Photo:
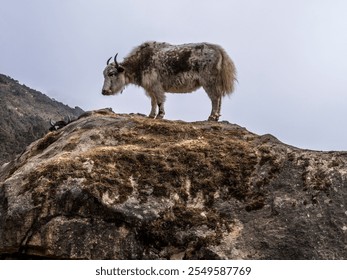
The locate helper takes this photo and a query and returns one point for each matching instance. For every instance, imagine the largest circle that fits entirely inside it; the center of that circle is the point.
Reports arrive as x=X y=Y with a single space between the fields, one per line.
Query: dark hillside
x=25 y=115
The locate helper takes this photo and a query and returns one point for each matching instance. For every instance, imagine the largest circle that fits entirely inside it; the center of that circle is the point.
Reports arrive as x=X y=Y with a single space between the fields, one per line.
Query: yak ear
x=120 y=69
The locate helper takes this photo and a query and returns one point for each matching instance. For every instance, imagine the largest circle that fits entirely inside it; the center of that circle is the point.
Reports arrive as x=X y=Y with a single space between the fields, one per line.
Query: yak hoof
x=160 y=116
x=151 y=116
x=213 y=118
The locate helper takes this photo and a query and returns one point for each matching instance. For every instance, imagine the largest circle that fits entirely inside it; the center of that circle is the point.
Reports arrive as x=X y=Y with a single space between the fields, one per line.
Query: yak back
x=162 y=61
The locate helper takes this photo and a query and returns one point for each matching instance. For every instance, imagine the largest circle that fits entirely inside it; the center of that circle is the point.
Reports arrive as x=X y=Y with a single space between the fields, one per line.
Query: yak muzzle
x=106 y=92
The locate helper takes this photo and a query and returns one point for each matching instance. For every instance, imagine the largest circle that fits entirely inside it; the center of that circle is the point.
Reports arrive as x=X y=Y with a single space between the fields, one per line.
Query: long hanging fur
x=227 y=74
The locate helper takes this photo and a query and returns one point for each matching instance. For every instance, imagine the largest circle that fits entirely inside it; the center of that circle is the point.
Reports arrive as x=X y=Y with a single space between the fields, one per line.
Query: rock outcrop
x=111 y=186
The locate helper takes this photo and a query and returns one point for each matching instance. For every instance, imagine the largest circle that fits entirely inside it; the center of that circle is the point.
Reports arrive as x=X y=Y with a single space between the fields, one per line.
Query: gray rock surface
x=110 y=186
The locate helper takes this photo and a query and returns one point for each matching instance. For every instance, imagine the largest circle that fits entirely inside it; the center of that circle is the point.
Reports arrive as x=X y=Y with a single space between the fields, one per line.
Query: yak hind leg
x=216 y=106
x=216 y=101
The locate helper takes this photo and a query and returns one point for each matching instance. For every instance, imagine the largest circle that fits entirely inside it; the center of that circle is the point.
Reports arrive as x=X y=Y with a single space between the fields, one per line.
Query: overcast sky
x=290 y=56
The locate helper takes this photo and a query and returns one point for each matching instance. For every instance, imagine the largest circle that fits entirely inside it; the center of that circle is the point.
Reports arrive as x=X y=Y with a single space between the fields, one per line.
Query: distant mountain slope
x=25 y=115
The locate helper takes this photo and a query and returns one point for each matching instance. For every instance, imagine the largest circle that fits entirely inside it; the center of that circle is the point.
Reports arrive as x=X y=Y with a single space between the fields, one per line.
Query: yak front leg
x=153 y=112
x=161 y=113
x=161 y=101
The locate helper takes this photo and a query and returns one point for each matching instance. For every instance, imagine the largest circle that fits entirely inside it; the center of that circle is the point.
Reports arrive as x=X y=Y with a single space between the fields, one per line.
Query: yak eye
x=111 y=74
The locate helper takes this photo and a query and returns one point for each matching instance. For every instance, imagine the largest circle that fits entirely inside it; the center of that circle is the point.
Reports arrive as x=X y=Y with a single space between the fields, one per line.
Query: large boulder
x=110 y=186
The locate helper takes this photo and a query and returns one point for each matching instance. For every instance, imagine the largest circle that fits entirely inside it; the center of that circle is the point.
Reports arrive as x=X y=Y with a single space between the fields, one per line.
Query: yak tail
x=227 y=74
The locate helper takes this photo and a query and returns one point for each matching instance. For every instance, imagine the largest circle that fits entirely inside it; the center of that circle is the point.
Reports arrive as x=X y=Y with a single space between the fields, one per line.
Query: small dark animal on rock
x=59 y=124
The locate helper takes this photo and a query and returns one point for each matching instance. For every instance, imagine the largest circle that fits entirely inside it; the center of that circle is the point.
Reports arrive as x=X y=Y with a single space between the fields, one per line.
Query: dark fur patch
x=145 y=61
x=199 y=47
x=180 y=63
x=140 y=62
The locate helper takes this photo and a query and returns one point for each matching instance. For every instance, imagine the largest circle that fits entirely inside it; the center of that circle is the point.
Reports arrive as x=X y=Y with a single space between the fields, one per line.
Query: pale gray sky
x=290 y=55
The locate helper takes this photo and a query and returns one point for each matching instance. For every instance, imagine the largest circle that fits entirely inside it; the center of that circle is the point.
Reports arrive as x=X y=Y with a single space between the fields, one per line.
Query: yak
x=160 y=67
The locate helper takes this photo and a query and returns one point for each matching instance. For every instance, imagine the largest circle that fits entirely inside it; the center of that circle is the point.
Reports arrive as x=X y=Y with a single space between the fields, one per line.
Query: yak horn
x=115 y=60
x=108 y=61
x=67 y=119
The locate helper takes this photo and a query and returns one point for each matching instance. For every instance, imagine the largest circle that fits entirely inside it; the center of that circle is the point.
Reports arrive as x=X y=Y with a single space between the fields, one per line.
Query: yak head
x=114 y=77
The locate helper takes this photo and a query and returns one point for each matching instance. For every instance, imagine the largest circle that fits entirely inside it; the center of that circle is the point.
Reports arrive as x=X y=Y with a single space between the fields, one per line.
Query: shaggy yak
x=161 y=67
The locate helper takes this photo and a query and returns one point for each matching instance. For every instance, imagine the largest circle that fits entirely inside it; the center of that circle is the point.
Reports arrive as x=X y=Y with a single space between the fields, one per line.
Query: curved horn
x=108 y=61
x=115 y=60
x=52 y=123
x=67 y=119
